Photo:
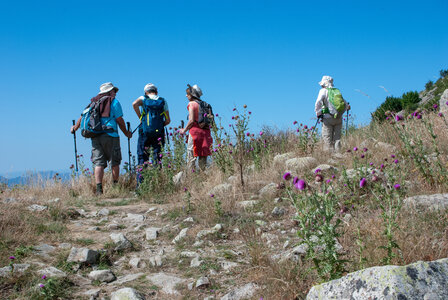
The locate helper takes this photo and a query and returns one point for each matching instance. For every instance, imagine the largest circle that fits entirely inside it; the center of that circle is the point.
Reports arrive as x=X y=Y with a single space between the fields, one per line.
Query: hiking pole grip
x=129 y=145
x=76 y=150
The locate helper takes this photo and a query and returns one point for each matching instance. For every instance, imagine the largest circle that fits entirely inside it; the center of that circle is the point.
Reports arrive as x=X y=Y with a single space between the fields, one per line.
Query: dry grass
x=422 y=236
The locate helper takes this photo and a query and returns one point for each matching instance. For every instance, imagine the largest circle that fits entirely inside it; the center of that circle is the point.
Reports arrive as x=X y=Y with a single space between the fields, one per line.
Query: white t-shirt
x=155 y=97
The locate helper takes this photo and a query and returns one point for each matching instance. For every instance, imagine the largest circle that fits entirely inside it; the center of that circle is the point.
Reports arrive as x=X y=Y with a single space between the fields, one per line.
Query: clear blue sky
x=266 y=54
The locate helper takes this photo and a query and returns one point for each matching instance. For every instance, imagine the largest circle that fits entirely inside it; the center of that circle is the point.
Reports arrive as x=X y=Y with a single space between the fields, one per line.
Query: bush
x=429 y=85
x=443 y=72
x=392 y=104
x=410 y=100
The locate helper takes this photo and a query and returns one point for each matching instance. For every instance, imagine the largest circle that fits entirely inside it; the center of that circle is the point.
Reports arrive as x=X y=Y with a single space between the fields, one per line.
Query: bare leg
x=115 y=172
x=99 y=174
x=202 y=162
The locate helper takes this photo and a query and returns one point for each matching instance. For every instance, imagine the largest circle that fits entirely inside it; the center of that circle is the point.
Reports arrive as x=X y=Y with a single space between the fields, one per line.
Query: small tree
x=410 y=100
x=429 y=85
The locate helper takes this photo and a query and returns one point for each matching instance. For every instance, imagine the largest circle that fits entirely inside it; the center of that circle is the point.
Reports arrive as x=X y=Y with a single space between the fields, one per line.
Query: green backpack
x=335 y=98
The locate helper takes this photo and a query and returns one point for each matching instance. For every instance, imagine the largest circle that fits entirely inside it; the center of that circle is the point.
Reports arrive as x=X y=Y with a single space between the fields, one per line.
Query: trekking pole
x=167 y=135
x=136 y=128
x=76 y=151
x=346 y=122
x=314 y=128
x=129 y=145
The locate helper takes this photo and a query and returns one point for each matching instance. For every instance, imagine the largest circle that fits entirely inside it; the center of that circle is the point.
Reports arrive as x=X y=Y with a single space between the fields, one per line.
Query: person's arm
x=190 y=120
x=319 y=102
x=167 y=118
x=76 y=126
x=123 y=128
x=136 y=105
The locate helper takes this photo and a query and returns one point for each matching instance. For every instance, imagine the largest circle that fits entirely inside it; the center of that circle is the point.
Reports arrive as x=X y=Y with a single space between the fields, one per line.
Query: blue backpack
x=153 y=117
x=91 y=121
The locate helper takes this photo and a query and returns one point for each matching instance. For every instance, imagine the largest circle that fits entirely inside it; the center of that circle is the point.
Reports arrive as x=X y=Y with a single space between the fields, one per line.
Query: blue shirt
x=115 y=112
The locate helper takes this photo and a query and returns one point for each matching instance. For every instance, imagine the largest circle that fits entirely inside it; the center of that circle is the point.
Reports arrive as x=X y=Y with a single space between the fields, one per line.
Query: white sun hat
x=327 y=81
x=195 y=91
x=150 y=88
x=107 y=87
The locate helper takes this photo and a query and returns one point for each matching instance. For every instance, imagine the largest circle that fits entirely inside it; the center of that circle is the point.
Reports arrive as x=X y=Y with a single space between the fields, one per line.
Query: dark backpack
x=153 y=117
x=205 y=115
x=91 y=120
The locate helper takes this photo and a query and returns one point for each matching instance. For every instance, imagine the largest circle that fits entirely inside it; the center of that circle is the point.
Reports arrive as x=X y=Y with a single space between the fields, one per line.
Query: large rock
x=102 y=276
x=120 y=241
x=300 y=164
x=152 y=233
x=221 y=189
x=420 y=280
x=280 y=159
x=83 y=255
x=245 y=292
x=135 y=218
x=127 y=294
x=427 y=202
x=217 y=228
x=17 y=269
x=52 y=272
x=182 y=234
x=443 y=101
x=167 y=283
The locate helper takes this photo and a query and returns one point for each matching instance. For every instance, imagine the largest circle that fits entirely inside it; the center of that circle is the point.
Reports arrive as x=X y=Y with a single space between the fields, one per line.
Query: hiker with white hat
x=107 y=112
x=154 y=115
x=330 y=106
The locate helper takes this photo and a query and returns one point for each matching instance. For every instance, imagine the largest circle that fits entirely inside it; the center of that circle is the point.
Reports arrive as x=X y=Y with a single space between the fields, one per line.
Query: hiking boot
x=99 y=189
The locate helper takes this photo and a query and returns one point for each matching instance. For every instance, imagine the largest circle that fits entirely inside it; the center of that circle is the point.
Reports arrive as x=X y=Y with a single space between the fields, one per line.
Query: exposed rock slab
x=420 y=280
x=166 y=282
x=427 y=202
x=221 y=189
x=127 y=294
x=443 y=100
x=300 y=164
x=102 y=275
x=83 y=255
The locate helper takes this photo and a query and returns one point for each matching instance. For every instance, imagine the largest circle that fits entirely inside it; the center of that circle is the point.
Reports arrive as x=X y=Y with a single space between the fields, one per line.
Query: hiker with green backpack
x=330 y=107
x=154 y=115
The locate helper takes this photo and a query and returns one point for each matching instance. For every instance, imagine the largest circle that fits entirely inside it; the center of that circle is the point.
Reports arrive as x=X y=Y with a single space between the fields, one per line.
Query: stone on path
x=83 y=255
x=420 y=280
x=52 y=272
x=243 y=292
x=36 y=207
x=217 y=228
x=269 y=191
x=300 y=164
x=102 y=276
x=17 y=269
x=120 y=241
x=427 y=202
x=135 y=218
x=152 y=233
x=202 y=282
x=221 y=189
x=127 y=294
x=182 y=234
x=166 y=282
x=137 y=262
x=127 y=278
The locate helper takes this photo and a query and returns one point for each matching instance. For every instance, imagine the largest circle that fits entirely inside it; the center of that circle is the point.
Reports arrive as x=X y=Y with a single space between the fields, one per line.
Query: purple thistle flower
x=261 y=133
x=212 y=195
x=392 y=155
x=295 y=180
x=44 y=277
x=355 y=149
x=328 y=181
x=217 y=115
x=440 y=115
x=185 y=189
x=362 y=156
x=249 y=112
x=363 y=182
x=397 y=186
x=333 y=176
x=41 y=285
x=294 y=123
x=12 y=257
x=446 y=102
x=435 y=106
x=396 y=161
x=398 y=118
x=365 y=149
x=234 y=108
x=248 y=134
x=287 y=176
x=371 y=164
x=317 y=171
x=301 y=184
x=382 y=166
x=419 y=117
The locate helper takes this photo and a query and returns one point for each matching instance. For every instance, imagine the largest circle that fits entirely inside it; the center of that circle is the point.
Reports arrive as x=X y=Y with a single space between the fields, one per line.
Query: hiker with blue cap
x=154 y=115
x=330 y=107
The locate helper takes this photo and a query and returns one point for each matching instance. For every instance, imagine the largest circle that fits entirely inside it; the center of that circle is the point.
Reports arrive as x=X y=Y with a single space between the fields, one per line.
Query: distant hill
x=39 y=177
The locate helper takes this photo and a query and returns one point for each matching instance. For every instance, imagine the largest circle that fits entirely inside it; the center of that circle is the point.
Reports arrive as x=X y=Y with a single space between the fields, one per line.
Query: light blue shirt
x=115 y=112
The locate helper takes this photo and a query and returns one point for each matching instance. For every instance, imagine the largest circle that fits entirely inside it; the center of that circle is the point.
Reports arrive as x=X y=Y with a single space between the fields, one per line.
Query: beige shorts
x=106 y=148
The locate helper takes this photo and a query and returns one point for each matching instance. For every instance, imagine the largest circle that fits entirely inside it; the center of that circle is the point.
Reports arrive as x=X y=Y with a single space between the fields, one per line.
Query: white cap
x=327 y=81
x=196 y=91
x=150 y=88
x=107 y=87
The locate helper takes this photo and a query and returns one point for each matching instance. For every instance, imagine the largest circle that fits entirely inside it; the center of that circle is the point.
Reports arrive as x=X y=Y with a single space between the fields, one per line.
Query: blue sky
x=267 y=54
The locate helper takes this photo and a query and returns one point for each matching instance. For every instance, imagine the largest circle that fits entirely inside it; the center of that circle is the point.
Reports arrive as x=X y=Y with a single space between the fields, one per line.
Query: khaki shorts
x=106 y=148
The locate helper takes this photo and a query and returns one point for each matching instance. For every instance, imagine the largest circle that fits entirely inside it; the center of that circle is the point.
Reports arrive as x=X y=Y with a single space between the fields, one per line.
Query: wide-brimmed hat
x=195 y=91
x=326 y=81
x=150 y=88
x=107 y=87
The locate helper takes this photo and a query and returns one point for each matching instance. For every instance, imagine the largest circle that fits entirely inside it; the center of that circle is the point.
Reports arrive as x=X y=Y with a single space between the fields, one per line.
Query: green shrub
x=410 y=100
x=392 y=104
x=429 y=85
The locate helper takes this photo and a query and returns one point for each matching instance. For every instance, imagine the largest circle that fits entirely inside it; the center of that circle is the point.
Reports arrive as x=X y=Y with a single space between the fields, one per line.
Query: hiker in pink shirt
x=199 y=139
